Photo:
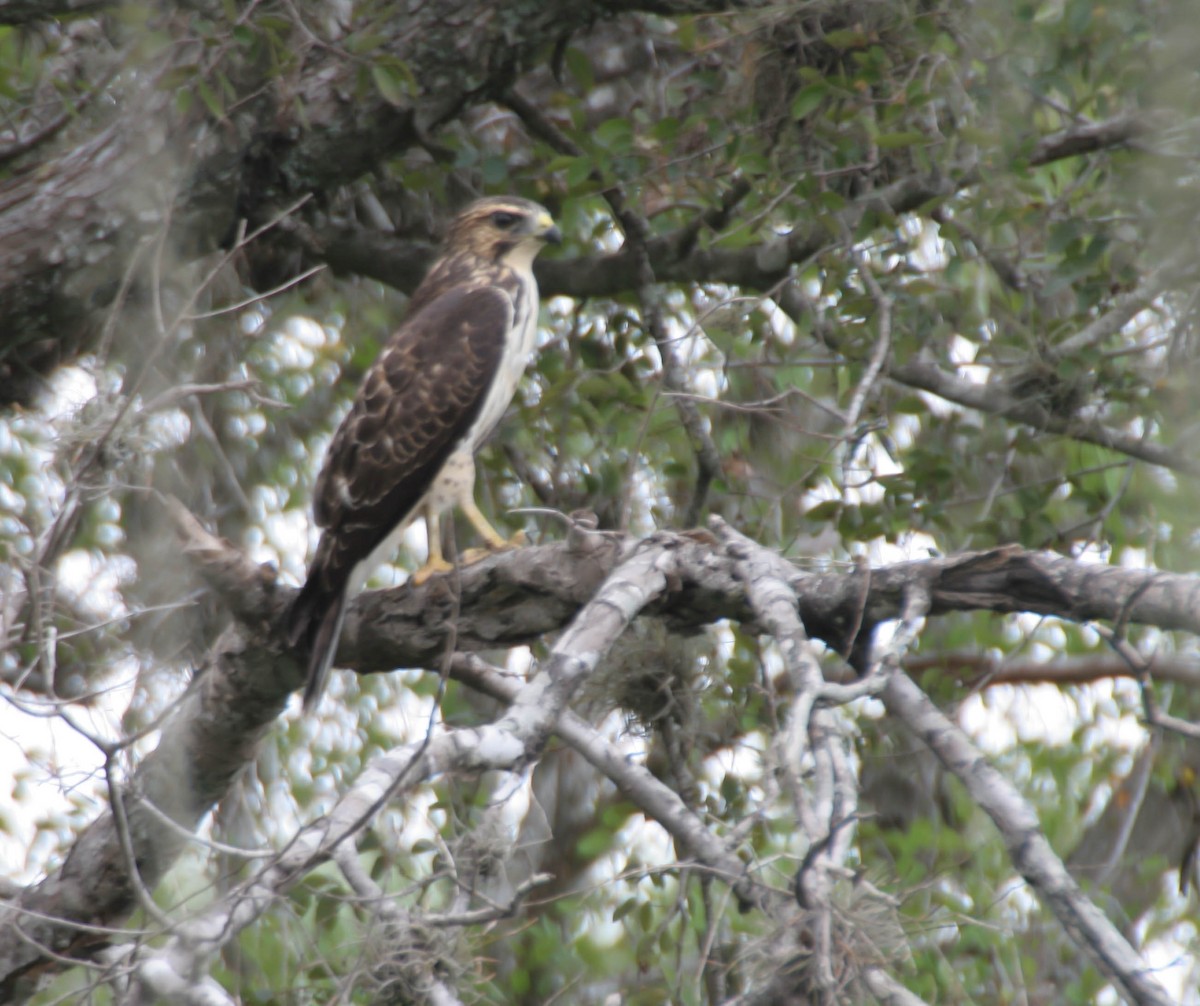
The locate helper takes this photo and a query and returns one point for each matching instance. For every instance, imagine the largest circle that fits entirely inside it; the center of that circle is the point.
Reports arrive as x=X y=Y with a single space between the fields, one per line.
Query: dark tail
x=314 y=621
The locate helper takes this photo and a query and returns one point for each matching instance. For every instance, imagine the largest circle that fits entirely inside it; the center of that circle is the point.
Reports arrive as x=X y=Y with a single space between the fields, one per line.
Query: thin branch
x=637 y=244
x=888 y=991
x=1031 y=854
x=173 y=396
x=995 y=400
x=258 y=298
x=1118 y=131
x=492 y=913
x=883 y=343
x=978 y=670
x=766 y=578
x=1123 y=310
x=116 y=797
x=635 y=782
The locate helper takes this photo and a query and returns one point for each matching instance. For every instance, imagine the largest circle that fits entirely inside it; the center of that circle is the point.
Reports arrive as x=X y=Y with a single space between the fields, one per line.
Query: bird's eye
x=504 y=220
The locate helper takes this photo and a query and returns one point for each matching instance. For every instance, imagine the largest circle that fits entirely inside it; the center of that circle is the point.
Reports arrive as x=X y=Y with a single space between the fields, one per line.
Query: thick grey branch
x=637 y=783
x=509 y=599
x=509 y=744
x=1086 y=139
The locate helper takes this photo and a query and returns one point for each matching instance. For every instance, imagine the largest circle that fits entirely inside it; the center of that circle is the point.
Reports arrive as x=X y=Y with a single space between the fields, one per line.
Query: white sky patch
x=962 y=353
x=782 y=327
x=285 y=542
x=646 y=840
x=309 y=332
x=52 y=776
x=1094 y=553
x=252 y=320
x=904 y=430
x=928 y=253
x=69 y=390
x=168 y=429
x=1133 y=558
x=743 y=761
x=294 y=343
x=559 y=307
x=93 y=582
x=938 y=407
x=1000 y=716
x=1173 y=957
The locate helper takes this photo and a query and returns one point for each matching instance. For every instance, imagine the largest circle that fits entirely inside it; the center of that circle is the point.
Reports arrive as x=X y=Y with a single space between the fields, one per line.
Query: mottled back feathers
x=442 y=381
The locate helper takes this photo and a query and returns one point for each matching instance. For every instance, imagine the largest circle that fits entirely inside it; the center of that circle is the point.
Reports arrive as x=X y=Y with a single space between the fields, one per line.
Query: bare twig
x=883 y=343
x=492 y=913
x=1125 y=309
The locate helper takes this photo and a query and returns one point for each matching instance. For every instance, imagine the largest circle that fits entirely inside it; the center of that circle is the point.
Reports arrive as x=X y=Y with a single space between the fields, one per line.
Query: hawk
x=438 y=388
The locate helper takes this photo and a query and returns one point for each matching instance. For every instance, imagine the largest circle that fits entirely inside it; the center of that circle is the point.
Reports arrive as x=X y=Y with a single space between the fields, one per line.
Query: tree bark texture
x=506 y=600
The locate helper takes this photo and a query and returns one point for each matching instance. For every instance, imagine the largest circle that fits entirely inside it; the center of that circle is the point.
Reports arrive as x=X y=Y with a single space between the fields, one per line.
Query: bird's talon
x=431 y=568
x=518 y=540
x=473 y=555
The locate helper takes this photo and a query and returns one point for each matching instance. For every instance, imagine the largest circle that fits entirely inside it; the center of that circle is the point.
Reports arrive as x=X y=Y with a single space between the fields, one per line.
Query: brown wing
x=419 y=399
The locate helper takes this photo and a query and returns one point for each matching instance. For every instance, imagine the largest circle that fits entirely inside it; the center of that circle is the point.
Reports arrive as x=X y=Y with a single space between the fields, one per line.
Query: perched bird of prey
x=429 y=401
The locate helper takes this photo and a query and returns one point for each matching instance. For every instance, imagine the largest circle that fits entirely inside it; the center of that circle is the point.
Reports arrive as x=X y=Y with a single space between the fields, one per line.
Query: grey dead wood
x=506 y=600
x=510 y=743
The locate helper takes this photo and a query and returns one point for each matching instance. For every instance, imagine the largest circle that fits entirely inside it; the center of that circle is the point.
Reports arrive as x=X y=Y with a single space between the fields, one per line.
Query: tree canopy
x=853 y=657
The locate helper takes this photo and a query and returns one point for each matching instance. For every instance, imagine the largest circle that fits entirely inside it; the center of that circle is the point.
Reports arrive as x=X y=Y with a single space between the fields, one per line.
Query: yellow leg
x=435 y=562
x=480 y=523
x=496 y=542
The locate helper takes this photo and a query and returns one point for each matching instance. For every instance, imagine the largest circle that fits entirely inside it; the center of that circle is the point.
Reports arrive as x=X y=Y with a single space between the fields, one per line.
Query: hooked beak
x=547 y=230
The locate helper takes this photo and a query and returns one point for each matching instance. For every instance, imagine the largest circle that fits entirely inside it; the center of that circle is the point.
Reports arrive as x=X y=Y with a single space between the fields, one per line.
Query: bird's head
x=503 y=229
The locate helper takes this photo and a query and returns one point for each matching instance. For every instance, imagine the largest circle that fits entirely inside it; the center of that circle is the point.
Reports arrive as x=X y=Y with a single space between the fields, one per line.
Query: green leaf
x=846 y=38
x=494 y=169
x=808 y=99
x=594 y=843
x=826 y=510
x=894 y=141
x=394 y=83
x=211 y=100
x=614 y=135
x=624 y=908
x=579 y=171
x=579 y=65
x=363 y=42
